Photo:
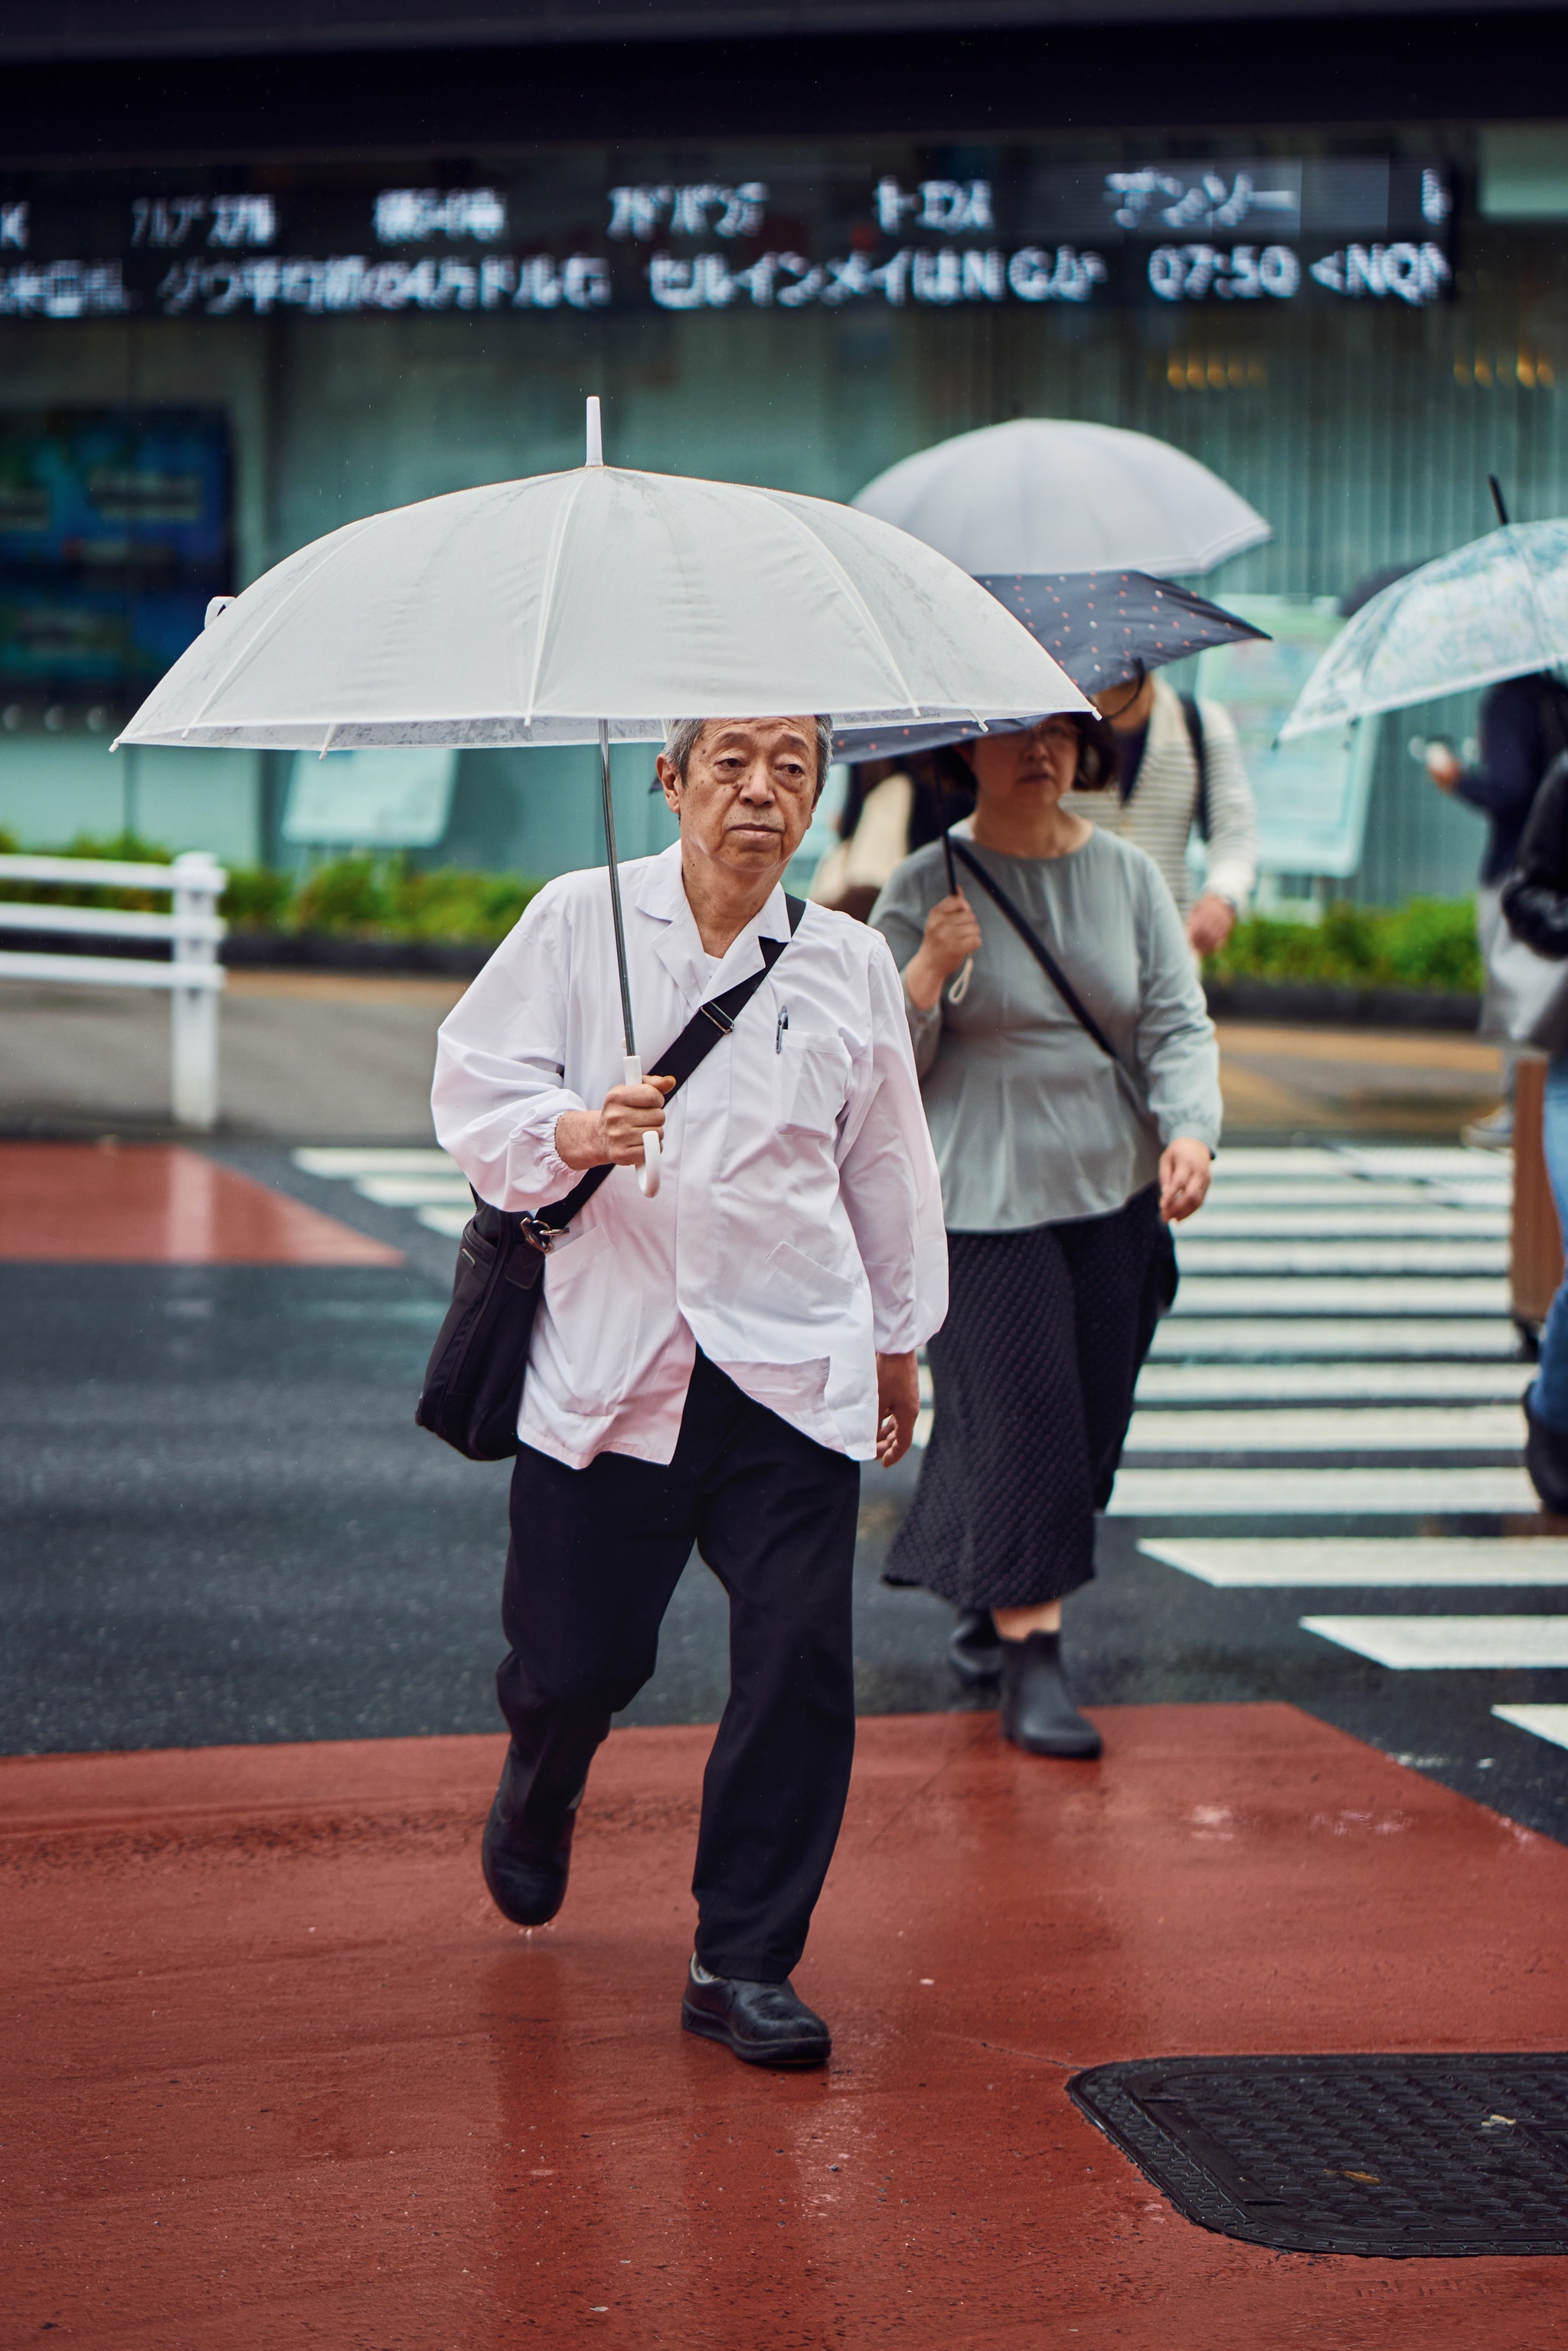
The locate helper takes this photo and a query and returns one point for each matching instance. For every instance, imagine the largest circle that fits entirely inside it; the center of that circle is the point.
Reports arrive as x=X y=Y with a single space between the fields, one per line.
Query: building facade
x=225 y=330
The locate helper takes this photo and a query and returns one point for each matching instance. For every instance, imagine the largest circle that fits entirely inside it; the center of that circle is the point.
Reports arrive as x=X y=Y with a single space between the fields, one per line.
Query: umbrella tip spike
x=595 y=437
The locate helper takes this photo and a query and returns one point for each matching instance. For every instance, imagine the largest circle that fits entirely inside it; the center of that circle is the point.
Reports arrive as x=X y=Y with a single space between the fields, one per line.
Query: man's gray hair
x=685 y=733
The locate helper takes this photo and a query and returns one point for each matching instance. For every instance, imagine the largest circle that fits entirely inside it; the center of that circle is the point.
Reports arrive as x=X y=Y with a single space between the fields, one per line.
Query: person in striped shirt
x=1181 y=769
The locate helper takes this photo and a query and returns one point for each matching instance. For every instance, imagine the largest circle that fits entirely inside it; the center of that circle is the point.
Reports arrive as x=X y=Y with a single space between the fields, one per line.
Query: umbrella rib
x=308 y=575
x=553 y=572
x=821 y=547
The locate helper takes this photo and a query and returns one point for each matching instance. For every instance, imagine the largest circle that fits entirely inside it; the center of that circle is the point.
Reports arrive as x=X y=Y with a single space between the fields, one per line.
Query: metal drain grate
x=1385 y=2156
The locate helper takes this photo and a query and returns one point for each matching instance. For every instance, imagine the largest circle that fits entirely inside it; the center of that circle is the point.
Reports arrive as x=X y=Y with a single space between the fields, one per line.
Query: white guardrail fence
x=193 y=975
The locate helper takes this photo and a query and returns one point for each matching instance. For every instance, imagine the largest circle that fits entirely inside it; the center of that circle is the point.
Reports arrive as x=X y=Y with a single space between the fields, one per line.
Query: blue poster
x=114 y=531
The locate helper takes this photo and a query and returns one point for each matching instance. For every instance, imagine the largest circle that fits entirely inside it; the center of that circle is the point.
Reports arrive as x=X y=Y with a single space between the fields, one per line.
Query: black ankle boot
x=526 y=1870
x=1038 y=1713
x=974 y=1645
x=1546 y=1459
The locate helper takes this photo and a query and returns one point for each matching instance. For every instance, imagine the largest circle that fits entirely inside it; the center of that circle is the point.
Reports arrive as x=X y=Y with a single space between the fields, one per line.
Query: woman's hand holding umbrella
x=952 y=936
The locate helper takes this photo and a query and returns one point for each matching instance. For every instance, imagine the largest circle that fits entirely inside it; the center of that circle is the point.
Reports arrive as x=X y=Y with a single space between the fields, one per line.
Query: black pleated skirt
x=1033 y=1372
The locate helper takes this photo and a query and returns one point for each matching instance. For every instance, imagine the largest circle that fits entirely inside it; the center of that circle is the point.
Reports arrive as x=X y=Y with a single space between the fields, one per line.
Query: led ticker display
x=114 y=531
x=1356 y=229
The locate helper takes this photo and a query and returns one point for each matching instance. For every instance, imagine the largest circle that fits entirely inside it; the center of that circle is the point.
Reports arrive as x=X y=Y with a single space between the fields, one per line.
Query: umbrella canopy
x=1052 y=494
x=534 y=612
x=1103 y=627
x=1495 y=609
x=596 y=605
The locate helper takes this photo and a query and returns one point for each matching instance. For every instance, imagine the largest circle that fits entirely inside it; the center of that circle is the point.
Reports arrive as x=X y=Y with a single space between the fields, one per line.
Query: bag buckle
x=543 y=1237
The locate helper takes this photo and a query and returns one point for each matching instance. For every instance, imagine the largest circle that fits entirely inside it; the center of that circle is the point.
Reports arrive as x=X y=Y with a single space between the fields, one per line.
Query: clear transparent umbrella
x=1495 y=609
x=1056 y=494
x=597 y=605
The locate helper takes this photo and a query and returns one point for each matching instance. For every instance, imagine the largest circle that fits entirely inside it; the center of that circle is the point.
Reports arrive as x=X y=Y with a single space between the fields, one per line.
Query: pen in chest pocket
x=779 y=1031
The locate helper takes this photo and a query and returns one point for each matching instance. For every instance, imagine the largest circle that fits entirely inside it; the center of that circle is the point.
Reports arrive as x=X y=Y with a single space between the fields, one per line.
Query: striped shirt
x=1163 y=809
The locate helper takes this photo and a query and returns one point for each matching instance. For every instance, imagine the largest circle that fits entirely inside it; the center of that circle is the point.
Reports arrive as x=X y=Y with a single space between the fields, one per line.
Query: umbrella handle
x=648 y=1173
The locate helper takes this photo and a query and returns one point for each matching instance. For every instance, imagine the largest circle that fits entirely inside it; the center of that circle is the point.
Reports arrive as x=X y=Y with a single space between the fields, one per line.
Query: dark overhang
x=83 y=29
x=1258 y=70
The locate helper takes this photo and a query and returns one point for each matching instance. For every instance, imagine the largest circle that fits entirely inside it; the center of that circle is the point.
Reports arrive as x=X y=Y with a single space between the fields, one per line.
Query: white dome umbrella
x=1054 y=493
x=1495 y=609
x=598 y=604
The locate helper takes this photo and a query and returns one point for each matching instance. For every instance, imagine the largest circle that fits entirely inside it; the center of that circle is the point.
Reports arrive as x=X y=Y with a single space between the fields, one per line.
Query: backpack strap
x=1193 y=718
x=707 y=1025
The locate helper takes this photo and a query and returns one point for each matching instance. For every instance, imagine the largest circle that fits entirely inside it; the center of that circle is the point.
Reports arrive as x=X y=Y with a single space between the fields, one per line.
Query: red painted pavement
x=280 y=2076
x=152 y=1203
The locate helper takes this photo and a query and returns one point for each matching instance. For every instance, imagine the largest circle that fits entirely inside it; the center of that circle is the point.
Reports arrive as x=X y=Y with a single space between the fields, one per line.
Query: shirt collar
x=661 y=895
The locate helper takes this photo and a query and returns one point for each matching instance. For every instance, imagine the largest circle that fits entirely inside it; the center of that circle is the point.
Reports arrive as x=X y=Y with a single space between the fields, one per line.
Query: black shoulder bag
x=1165 y=1275
x=473 y=1382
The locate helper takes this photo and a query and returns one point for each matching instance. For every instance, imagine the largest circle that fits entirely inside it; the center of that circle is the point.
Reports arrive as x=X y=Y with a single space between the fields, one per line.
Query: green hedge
x=1430 y=942
x=357 y=898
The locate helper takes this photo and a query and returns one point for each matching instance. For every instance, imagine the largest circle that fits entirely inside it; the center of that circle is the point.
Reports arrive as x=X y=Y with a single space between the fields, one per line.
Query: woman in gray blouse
x=1060 y=1168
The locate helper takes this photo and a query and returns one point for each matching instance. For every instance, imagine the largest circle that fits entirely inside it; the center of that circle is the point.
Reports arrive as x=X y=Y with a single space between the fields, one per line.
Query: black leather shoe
x=1038 y=1712
x=525 y=1872
x=765 y=2024
x=1546 y=1459
x=974 y=1646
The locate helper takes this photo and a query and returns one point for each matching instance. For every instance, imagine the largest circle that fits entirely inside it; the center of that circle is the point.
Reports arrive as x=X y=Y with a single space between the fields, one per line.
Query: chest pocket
x=811 y=1080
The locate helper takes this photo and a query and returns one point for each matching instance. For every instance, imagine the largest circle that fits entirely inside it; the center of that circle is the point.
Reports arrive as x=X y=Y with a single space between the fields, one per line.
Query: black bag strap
x=1193 y=718
x=1041 y=953
x=697 y=1040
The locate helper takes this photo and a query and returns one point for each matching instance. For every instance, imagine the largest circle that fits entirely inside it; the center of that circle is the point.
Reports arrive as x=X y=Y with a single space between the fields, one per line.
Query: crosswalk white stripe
x=1448 y=1429
x=1544 y=1721
x=447 y=1221
x=1224 y=1222
x=1276 y=1257
x=1230 y=1294
x=1317 y=1493
x=1430 y=1163
x=1193 y=1338
x=1272 y=1562
x=1298 y=1159
x=1450 y=1643
x=1335 y=1382
x=341 y=1160
x=415 y=1191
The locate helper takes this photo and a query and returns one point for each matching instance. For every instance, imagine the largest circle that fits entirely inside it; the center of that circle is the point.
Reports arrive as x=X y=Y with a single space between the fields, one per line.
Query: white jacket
x=798 y=1230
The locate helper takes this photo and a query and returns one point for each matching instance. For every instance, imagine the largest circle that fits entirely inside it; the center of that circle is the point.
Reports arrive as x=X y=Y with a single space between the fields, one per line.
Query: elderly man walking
x=710 y=1365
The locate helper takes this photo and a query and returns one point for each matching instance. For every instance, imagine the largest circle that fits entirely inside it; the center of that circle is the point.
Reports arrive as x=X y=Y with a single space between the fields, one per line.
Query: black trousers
x=1033 y=1372
x=596 y=1554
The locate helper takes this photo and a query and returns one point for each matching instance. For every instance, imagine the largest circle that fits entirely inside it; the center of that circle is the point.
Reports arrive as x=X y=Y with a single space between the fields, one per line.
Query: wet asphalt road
x=220 y=1525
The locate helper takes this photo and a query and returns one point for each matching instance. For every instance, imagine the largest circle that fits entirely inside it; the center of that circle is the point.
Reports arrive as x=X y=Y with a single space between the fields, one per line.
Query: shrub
x=1429 y=943
x=257 y=898
x=350 y=894
x=128 y=848
x=366 y=897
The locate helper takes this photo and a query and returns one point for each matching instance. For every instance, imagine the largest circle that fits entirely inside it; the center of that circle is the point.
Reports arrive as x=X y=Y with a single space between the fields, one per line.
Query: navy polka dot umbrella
x=1104 y=628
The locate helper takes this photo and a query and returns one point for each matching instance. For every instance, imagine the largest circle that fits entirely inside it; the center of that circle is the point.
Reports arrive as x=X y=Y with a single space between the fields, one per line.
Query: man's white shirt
x=797 y=1229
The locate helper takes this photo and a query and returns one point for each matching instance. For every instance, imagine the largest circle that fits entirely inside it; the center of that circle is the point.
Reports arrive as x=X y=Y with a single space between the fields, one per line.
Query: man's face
x=750 y=790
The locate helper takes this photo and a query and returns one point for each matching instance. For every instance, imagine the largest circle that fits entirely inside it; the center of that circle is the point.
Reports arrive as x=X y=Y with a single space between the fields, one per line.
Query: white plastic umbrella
x=1052 y=494
x=597 y=605
x=1495 y=609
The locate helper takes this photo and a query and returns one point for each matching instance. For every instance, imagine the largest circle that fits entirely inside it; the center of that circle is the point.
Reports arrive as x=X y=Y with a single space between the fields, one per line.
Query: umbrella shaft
x=628 y=1036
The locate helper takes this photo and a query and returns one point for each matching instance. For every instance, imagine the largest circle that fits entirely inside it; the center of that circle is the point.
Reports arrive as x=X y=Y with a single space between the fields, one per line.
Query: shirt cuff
x=1200 y=1123
x=1230 y=878
x=535 y=1168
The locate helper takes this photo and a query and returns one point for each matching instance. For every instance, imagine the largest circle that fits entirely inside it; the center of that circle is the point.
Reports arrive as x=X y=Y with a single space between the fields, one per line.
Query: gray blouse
x=1031 y=1122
